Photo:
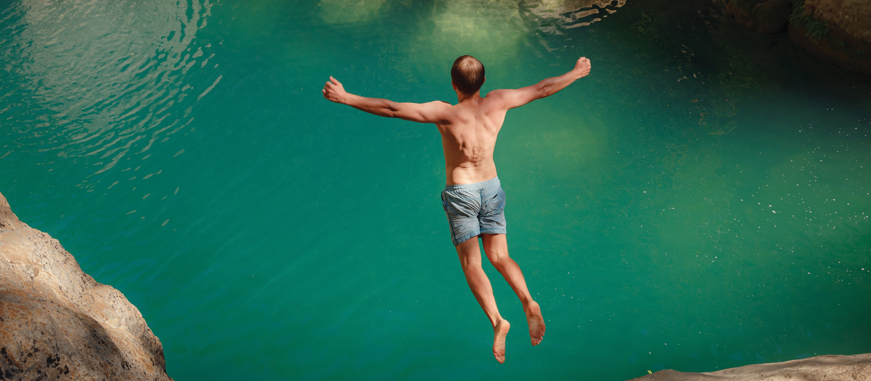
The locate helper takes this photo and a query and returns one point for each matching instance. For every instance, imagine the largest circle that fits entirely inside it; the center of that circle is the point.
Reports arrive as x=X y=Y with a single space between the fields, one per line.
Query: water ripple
x=554 y=16
x=102 y=80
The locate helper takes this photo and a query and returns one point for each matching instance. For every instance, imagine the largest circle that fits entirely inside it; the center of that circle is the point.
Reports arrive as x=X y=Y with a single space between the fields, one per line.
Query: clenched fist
x=334 y=91
x=582 y=67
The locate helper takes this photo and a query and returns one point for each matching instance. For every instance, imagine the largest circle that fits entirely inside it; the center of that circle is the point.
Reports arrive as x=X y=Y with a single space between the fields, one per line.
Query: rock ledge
x=819 y=368
x=58 y=323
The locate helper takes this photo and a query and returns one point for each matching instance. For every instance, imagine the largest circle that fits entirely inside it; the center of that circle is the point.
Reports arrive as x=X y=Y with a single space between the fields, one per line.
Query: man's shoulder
x=439 y=105
x=498 y=93
x=498 y=96
x=496 y=99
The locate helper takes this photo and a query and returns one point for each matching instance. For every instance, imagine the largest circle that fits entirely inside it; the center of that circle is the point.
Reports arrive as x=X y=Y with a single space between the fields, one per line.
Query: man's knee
x=470 y=262
x=469 y=255
x=498 y=257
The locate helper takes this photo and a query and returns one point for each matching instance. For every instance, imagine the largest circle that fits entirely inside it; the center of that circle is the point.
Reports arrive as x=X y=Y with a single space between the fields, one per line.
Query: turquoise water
x=699 y=202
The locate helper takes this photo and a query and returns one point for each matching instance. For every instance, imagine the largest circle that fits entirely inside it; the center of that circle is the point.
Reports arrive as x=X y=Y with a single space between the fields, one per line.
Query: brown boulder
x=851 y=16
x=58 y=323
x=836 y=31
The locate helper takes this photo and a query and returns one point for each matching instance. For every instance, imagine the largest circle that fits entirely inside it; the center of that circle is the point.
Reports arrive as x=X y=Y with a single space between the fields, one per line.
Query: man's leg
x=470 y=259
x=496 y=247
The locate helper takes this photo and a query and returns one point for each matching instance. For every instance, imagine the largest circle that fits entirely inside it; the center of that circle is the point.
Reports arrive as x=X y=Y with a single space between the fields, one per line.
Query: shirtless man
x=473 y=198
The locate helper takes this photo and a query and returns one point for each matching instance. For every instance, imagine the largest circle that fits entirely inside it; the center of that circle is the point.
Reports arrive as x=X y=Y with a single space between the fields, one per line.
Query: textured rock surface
x=819 y=368
x=58 y=323
x=847 y=41
x=852 y=16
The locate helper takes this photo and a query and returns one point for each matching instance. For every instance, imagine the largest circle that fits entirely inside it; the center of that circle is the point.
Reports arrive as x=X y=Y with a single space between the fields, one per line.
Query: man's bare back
x=469 y=132
x=471 y=197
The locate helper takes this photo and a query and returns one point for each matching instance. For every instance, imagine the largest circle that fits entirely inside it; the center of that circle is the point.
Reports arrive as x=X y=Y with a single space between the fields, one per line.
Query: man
x=473 y=198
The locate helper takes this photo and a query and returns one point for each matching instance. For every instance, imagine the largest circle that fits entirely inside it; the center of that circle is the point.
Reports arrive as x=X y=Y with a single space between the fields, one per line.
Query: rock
x=58 y=323
x=841 y=368
x=836 y=31
x=851 y=16
x=766 y=16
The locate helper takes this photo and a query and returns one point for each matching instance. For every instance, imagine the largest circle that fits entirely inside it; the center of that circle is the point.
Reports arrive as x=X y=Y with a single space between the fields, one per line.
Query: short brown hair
x=467 y=74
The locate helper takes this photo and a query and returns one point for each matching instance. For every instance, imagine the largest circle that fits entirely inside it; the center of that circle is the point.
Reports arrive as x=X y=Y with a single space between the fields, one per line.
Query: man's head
x=467 y=74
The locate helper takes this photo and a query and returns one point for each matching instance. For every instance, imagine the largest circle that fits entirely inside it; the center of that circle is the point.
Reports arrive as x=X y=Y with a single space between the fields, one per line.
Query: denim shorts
x=474 y=209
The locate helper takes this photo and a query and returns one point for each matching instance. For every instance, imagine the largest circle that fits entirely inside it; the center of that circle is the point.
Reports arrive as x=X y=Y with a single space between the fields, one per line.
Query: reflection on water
x=494 y=29
x=107 y=80
x=552 y=16
x=491 y=29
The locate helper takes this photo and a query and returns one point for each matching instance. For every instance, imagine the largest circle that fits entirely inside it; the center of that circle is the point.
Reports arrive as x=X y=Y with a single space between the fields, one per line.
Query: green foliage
x=803 y=18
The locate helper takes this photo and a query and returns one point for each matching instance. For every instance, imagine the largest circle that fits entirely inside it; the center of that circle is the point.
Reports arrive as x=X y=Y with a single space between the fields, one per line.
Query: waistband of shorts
x=479 y=185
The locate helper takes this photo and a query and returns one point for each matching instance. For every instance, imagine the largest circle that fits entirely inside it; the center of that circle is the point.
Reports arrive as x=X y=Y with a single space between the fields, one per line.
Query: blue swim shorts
x=474 y=209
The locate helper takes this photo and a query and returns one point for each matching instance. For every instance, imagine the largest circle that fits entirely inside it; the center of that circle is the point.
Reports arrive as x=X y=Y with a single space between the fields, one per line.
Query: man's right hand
x=582 y=67
x=334 y=91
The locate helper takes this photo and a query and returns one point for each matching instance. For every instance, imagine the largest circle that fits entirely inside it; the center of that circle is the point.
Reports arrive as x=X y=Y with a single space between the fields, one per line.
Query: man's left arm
x=432 y=112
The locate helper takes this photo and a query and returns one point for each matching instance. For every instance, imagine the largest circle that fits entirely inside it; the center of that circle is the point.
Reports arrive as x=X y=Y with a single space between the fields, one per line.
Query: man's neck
x=463 y=98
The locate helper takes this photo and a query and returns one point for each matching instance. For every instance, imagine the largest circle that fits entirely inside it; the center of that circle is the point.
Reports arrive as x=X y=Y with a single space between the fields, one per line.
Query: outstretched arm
x=519 y=97
x=432 y=112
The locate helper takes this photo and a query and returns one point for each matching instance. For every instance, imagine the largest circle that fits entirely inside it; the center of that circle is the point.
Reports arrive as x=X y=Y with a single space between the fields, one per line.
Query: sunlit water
x=700 y=201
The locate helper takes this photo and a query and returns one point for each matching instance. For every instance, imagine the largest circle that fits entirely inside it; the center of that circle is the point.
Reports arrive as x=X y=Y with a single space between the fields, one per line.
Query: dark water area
x=699 y=202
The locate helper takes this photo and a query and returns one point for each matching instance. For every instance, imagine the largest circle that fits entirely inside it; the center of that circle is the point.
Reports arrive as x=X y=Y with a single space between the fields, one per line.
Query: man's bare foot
x=499 y=333
x=536 y=322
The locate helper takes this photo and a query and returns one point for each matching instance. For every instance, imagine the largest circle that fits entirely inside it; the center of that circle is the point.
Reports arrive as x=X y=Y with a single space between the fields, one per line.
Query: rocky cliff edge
x=58 y=323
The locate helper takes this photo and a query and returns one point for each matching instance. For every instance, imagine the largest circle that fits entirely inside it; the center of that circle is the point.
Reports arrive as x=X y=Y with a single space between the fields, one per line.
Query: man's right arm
x=518 y=97
x=432 y=112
